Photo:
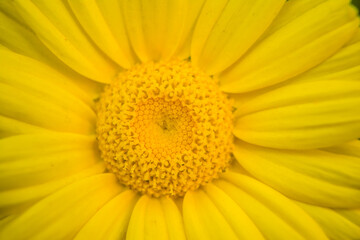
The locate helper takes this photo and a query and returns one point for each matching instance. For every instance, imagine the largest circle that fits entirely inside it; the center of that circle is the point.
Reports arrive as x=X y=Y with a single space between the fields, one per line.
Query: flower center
x=165 y=128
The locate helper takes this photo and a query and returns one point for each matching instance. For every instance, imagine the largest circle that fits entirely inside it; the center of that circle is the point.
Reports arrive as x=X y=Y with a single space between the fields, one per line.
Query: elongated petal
x=192 y=15
x=155 y=219
x=353 y=215
x=75 y=204
x=14 y=103
x=20 y=39
x=111 y=221
x=351 y=149
x=34 y=165
x=27 y=160
x=226 y=29
x=58 y=30
x=262 y=215
x=302 y=115
x=293 y=45
x=254 y=197
x=234 y=215
x=316 y=177
x=345 y=64
x=173 y=219
x=15 y=200
x=26 y=73
x=10 y=127
x=334 y=224
x=93 y=21
x=203 y=220
x=56 y=102
x=155 y=27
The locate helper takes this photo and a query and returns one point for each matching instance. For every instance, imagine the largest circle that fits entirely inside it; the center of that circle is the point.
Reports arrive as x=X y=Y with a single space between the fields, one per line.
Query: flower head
x=169 y=119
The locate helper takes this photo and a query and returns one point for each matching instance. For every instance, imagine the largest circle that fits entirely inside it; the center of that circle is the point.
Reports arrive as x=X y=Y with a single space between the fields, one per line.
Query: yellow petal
x=111 y=221
x=37 y=110
x=20 y=39
x=173 y=219
x=345 y=64
x=60 y=33
x=9 y=127
x=93 y=21
x=351 y=149
x=316 y=177
x=294 y=47
x=38 y=78
x=27 y=160
x=8 y=8
x=23 y=146
x=147 y=220
x=284 y=209
x=155 y=27
x=203 y=220
x=15 y=200
x=301 y=115
x=154 y=218
x=262 y=215
x=234 y=215
x=335 y=226
x=226 y=29
x=192 y=15
x=353 y=215
x=50 y=218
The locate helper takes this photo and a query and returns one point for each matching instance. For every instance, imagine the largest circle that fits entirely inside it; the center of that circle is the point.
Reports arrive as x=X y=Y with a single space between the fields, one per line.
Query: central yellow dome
x=165 y=128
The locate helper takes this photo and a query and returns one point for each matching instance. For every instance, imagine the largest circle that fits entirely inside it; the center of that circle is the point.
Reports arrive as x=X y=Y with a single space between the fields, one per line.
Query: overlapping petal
x=112 y=220
x=55 y=26
x=44 y=97
x=74 y=204
x=154 y=218
x=154 y=28
x=301 y=115
x=35 y=165
x=316 y=177
x=94 y=17
x=293 y=44
x=242 y=208
x=334 y=224
x=226 y=29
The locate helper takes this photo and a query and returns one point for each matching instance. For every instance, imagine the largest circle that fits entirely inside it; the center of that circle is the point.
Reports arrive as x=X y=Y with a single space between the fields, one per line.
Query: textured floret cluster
x=165 y=128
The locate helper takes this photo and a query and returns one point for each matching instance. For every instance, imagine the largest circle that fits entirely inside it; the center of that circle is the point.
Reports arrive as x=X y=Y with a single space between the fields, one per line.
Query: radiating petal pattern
x=334 y=224
x=93 y=21
x=203 y=220
x=111 y=221
x=65 y=108
x=291 y=67
x=215 y=44
x=52 y=214
x=154 y=218
x=154 y=27
x=20 y=39
x=316 y=177
x=267 y=207
x=301 y=115
x=192 y=15
x=10 y=127
x=32 y=166
x=242 y=225
x=293 y=44
x=55 y=26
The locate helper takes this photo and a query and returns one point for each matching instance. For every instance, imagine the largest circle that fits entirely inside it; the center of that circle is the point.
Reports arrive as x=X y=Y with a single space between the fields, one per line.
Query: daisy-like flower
x=179 y=119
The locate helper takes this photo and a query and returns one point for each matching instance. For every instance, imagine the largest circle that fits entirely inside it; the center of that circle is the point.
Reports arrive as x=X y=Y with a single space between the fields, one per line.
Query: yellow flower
x=179 y=119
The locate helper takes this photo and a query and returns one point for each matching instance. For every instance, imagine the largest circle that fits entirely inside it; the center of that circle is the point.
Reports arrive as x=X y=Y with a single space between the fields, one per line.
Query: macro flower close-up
x=179 y=119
